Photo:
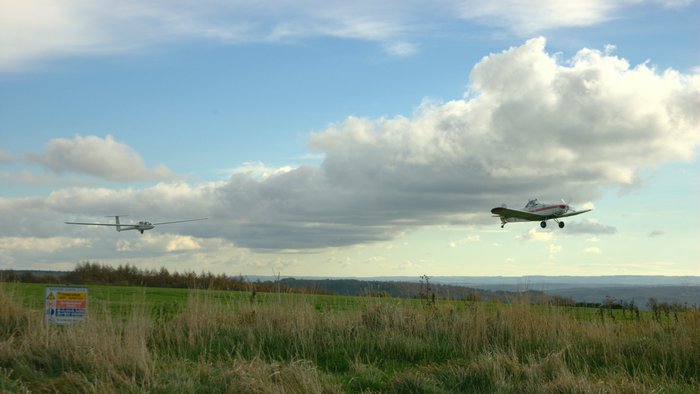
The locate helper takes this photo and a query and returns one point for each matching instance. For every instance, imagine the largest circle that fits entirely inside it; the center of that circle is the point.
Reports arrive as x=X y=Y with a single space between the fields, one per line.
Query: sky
x=351 y=139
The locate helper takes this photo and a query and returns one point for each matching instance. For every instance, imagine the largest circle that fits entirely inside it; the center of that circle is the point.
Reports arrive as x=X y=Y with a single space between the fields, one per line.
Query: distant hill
x=402 y=289
x=534 y=282
x=591 y=289
x=540 y=282
x=682 y=289
x=684 y=295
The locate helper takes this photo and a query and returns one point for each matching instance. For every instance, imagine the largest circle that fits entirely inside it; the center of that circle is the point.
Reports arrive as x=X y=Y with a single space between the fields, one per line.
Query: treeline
x=367 y=288
x=88 y=273
x=129 y=275
x=32 y=276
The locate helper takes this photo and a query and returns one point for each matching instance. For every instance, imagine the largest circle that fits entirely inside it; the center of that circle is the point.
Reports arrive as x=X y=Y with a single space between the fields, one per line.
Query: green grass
x=121 y=299
x=172 y=340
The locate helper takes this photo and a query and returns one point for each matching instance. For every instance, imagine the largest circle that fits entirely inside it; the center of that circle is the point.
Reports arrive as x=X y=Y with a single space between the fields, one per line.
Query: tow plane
x=535 y=211
x=140 y=226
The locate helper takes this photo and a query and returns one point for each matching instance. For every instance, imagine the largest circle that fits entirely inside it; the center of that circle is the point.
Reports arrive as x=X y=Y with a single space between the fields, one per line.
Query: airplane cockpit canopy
x=531 y=203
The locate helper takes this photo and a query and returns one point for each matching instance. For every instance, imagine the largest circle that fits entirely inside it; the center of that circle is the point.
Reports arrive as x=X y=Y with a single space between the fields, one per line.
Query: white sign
x=65 y=304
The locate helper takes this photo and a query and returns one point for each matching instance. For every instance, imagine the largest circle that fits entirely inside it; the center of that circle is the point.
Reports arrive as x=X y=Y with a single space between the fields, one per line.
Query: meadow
x=177 y=340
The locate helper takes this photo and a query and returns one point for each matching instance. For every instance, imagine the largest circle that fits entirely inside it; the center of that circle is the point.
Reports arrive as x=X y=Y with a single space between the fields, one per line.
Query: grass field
x=172 y=340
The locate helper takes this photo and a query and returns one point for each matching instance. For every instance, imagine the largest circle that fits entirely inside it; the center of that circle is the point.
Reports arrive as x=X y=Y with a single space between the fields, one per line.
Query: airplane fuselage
x=141 y=226
x=548 y=209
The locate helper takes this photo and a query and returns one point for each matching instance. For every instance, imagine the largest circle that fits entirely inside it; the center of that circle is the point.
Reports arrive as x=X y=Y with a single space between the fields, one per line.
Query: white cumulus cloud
x=258 y=170
x=589 y=226
x=554 y=249
x=100 y=157
x=464 y=241
x=536 y=235
x=182 y=243
x=593 y=250
x=6 y=157
x=37 y=244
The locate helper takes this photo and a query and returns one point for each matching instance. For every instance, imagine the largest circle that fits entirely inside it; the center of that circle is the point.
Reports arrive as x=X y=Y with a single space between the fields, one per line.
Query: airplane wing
x=99 y=224
x=120 y=227
x=514 y=213
x=179 y=221
x=573 y=213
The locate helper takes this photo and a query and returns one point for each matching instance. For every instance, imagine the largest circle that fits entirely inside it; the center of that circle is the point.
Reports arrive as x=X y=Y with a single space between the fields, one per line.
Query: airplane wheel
x=561 y=224
x=543 y=224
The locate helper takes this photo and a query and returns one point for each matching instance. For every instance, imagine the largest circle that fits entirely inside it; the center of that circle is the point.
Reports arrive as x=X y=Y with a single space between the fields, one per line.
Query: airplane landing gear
x=561 y=224
x=543 y=224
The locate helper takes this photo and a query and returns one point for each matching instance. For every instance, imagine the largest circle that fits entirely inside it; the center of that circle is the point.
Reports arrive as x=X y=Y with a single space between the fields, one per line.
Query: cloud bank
x=530 y=125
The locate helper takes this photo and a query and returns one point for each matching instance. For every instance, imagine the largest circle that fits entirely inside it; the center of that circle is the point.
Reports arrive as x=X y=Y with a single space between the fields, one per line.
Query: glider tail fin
x=116 y=218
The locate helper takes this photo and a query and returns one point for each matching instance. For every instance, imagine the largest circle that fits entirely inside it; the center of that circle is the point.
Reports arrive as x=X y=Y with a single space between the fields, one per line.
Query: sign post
x=65 y=304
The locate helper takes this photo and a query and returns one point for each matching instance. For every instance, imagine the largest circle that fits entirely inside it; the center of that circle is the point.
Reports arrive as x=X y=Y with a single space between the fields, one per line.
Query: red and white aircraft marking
x=535 y=211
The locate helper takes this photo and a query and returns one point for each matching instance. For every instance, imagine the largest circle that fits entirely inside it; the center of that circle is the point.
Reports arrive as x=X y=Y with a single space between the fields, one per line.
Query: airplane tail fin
x=116 y=218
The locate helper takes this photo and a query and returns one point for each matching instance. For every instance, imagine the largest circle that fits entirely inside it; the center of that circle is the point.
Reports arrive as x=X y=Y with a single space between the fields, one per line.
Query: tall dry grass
x=285 y=344
x=82 y=356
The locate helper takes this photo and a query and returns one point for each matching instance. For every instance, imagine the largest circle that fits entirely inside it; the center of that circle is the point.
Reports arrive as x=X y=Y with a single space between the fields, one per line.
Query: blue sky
x=355 y=139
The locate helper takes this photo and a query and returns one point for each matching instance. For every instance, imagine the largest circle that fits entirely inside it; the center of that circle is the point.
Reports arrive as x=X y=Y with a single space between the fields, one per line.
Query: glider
x=141 y=226
x=535 y=211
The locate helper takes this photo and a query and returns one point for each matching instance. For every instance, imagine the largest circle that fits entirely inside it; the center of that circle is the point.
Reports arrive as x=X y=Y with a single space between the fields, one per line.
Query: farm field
x=177 y=340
